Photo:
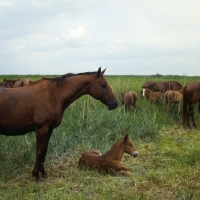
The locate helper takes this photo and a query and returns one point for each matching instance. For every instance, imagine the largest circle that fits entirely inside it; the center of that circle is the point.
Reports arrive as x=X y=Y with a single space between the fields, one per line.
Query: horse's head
x=129 y=148
x=101 y=90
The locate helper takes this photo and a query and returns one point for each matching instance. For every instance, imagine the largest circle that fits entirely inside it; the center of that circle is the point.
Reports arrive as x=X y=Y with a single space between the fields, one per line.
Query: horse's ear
x=125 y=137
x=122 y=94
x=99 y=72
x=103 y=71
x=4 y=79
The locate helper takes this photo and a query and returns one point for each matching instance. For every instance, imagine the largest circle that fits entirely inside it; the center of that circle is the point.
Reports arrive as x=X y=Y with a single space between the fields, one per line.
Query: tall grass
x=167 y=166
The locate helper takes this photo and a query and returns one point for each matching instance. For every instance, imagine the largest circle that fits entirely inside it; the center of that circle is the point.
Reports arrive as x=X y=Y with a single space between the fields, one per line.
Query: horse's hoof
x=44 y=175
x=38 y=179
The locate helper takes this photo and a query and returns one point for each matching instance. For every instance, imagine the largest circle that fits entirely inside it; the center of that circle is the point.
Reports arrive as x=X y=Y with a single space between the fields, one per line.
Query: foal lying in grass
x=109 y=162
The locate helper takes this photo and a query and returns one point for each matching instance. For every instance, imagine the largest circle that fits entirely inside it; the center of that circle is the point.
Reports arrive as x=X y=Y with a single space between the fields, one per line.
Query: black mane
x=60 y=79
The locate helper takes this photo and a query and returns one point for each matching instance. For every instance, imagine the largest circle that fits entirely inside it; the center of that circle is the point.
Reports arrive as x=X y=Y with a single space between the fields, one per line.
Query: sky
x=129 y=37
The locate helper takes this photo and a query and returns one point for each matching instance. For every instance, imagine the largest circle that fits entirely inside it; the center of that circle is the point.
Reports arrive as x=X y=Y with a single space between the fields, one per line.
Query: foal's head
x=128 y=147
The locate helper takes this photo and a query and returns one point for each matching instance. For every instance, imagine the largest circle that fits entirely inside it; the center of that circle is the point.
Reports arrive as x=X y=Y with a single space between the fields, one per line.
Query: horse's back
x=192 y=91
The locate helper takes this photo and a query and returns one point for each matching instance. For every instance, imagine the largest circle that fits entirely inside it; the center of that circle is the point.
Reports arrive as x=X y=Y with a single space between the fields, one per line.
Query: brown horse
x=191 y=95
x=153 y=96
x=8 y=83
x=161 y=86
x=40 y=106
x=109 y=162
x=129 y=99
x=173 y=97
x=22 y=83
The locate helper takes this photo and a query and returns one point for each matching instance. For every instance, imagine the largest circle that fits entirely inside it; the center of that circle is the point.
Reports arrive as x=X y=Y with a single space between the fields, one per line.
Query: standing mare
x=40 y=106
x=109 y=162
x=191 y=95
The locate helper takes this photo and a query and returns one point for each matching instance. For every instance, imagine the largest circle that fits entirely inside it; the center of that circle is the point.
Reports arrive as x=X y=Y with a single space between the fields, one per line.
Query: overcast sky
x=138 y=37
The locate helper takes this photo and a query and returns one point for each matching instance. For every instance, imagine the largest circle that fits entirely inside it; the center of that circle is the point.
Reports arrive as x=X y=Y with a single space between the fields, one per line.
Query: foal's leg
x=42 y=140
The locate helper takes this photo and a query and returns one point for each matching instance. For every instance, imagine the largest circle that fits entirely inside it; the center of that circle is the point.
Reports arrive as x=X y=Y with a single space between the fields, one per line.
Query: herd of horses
x=27 y=106
x=171 y=92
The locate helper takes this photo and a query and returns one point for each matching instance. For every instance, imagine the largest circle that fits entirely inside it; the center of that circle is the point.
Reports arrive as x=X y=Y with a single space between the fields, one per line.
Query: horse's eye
x=130 y=145
x=103 y=85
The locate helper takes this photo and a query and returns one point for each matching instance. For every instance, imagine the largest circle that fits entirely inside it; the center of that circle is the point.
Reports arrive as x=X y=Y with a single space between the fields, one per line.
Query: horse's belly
x=16 y=130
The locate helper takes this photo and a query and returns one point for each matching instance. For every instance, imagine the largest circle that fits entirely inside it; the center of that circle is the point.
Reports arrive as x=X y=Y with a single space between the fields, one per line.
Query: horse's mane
x=60 y=79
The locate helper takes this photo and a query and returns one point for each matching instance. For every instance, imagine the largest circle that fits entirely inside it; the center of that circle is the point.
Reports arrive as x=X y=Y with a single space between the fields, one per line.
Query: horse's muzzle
x=135 y=154
x=113 y=105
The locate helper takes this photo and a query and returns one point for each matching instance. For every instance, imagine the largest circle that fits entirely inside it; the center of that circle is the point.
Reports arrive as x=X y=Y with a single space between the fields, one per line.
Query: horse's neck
x=116 y=152
x=74 y=87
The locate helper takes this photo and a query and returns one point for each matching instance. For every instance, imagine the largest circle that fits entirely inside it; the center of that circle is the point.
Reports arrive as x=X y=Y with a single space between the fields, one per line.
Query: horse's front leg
x=42 y=140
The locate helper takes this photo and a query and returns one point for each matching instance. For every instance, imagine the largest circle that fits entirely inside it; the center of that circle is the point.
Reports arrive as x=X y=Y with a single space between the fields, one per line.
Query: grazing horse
x=109 y=162
x=153 y=96
x=129 y=99
x=191 y=95
x=40 y=106
x=8 y=83
x=161 y=86
x=175 y=97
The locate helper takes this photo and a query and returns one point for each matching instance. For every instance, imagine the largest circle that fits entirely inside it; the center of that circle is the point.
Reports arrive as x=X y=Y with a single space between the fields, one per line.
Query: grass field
x=168 y=165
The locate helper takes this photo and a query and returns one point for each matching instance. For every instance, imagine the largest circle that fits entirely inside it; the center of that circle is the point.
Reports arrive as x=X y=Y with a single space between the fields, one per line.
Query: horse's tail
x=185 y=101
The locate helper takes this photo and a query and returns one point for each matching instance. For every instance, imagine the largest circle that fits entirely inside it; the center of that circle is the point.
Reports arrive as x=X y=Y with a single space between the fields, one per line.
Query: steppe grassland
x=167 y=166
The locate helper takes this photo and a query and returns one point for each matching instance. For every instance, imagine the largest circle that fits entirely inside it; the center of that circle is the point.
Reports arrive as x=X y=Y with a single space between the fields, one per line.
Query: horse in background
x=173 y=97
x=40 y=106
x=153 y=96
x=161 y=86
x=22 y=83
x=8 y=83
x=191 y=95
x=129 y=99
x=109 y=162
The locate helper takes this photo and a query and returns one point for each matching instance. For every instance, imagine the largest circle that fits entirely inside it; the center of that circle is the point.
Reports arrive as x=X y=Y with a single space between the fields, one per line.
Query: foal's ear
x=125 y=137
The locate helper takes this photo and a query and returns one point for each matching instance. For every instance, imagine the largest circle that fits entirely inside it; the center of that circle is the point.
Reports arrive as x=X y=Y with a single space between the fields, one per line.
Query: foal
x=175 y=97
x=153 y=96
x=129 y=99
x=109 y=162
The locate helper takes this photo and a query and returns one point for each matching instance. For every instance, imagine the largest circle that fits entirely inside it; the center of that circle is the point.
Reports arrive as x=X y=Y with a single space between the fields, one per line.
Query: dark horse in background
x=191 y=95
x=161 y=86
x=40 y=106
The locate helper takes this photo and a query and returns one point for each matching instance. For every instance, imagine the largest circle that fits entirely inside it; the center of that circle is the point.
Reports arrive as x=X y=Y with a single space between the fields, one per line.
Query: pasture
x=168 y=165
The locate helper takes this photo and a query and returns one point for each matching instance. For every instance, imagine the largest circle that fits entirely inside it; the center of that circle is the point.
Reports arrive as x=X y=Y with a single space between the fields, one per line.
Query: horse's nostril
x=116 y=103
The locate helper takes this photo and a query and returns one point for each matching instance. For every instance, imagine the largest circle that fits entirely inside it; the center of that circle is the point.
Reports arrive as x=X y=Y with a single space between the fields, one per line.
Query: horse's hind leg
x=42 y=139
x=192 y=115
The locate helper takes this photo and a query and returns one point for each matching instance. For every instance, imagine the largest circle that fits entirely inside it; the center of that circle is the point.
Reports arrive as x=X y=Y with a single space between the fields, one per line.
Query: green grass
x=168 y=166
